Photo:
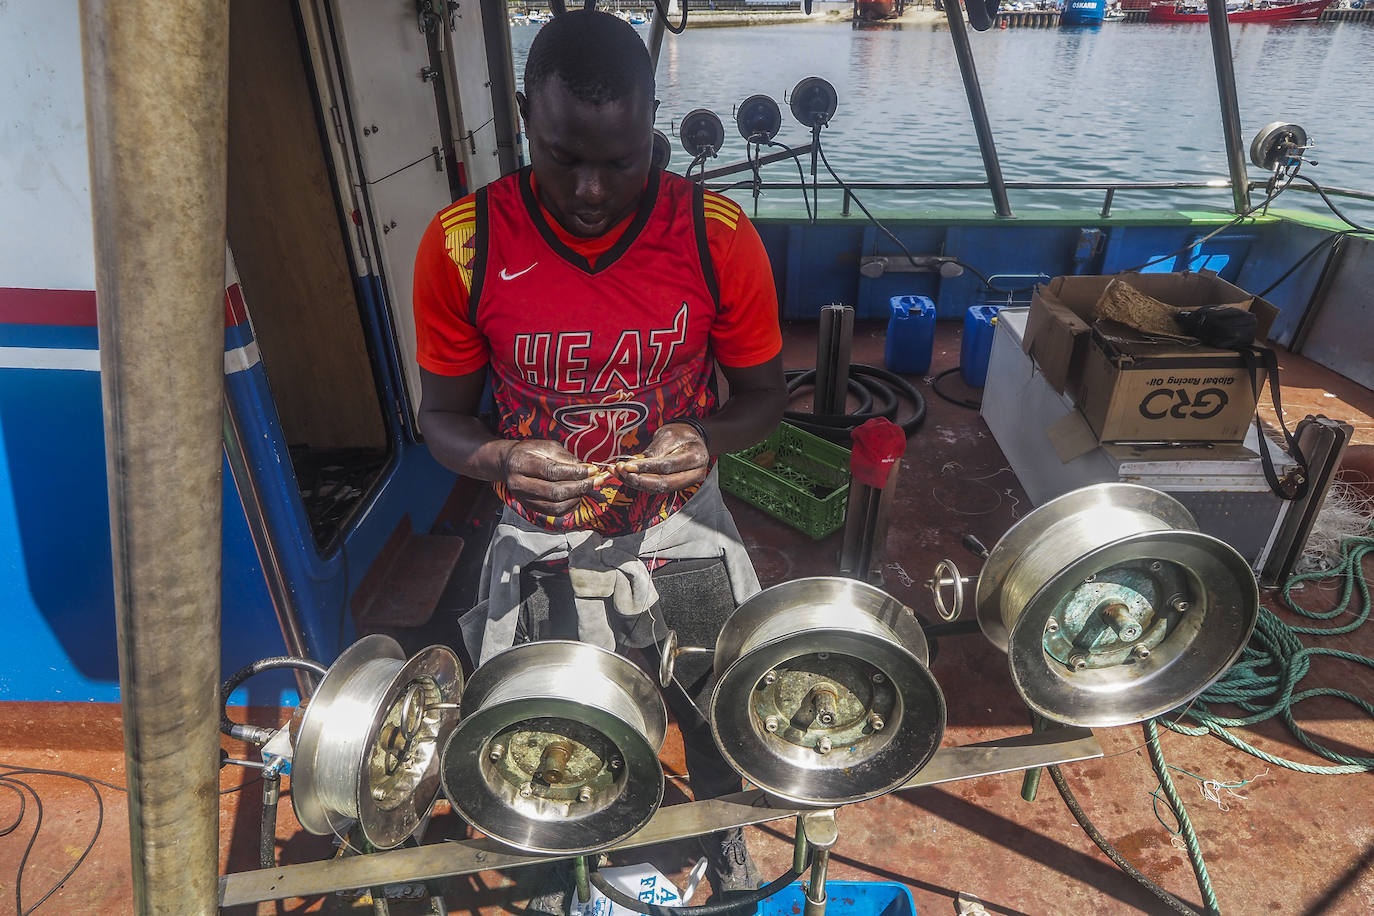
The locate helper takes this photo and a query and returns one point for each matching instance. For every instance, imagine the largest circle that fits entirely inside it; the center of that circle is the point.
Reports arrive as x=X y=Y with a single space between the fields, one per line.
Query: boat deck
x=1285 y=842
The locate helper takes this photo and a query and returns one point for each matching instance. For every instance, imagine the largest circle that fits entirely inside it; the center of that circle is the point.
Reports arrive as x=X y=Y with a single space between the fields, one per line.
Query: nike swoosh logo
x=506 y=275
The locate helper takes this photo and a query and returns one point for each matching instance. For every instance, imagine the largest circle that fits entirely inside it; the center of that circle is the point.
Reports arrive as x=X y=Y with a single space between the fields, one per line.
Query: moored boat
x=1262 y=12
x=1083 y=12
x=874 y=10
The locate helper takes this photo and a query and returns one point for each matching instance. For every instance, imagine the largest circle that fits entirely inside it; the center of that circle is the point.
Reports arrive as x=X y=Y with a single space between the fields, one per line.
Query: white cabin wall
x=45 y=186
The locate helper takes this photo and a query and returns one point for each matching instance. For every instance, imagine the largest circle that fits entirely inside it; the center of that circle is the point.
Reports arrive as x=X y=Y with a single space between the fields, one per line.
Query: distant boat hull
x=1083 y=12
x=1294 y=12
x=873 y=10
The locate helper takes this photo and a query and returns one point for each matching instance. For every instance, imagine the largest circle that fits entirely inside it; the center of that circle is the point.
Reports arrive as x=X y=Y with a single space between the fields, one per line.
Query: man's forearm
x=464 y=444
x=745 y=419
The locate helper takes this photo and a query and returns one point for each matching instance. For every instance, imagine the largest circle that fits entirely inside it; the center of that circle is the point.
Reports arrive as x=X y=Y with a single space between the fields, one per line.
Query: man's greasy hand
x=545 y=477
x=675 y=459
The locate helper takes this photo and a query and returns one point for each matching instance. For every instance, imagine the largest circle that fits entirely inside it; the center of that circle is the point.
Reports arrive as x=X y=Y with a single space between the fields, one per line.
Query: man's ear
x=523 y=105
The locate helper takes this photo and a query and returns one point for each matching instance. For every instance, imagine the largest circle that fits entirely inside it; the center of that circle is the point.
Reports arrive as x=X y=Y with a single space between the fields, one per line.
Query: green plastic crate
x=794 y=476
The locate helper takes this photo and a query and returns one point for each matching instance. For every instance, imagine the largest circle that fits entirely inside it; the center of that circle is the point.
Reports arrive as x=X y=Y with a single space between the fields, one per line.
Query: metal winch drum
x=1112 y=607
x=557 y=751
x=824 y=697
x=368 y=744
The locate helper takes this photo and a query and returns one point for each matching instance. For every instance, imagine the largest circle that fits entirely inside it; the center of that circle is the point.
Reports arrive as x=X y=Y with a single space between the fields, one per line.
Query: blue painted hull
x=1083 y=12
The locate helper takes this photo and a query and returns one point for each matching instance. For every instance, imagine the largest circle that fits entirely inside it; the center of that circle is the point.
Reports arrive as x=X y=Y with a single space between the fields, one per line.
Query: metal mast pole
x=156 y=112
x=1230 y=103
x=958 y=31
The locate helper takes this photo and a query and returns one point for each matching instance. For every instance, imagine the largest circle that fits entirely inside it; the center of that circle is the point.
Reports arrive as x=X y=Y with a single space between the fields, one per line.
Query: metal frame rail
x=451 y=859
x=1111 y=188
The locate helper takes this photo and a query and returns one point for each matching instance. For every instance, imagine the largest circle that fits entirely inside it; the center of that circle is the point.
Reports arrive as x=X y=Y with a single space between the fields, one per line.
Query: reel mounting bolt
x=1140 y=652
x=879 y=678
x=770 y=724
x=1078 y=661
x=585 y=794
x=1181 y=606
x=526 y=790
x=616 y=763
x=822 y=656
x=876 y=722
x=497 y=752
x=823 y=746
x=1156 y=566
x=378 y=793
x=770 y=678
x=1051 y=626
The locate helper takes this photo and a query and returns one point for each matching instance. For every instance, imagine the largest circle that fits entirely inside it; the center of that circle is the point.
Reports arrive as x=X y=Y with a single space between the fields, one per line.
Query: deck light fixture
x=758 y=118
x=813 y=102
x=702 y=134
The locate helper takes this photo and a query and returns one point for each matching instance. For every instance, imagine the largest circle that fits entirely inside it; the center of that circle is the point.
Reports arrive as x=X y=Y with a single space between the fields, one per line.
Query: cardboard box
x=1145 y=390
x=1060 y=319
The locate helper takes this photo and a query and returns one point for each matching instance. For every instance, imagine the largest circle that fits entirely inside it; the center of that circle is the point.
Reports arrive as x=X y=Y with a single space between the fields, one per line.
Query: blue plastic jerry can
x=910 y=335
x=979 y=325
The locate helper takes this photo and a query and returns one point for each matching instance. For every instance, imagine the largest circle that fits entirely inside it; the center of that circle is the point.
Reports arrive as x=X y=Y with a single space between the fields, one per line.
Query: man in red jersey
x=599 y=296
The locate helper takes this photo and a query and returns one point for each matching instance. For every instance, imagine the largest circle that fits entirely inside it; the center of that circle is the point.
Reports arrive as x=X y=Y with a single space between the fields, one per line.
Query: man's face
x=591 y=161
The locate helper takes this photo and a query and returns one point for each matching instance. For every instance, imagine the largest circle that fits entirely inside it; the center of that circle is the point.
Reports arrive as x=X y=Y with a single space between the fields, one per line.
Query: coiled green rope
x=1264 y=682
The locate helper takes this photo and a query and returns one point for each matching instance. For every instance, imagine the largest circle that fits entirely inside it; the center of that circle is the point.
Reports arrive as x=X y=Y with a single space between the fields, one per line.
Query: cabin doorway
x=287 y=235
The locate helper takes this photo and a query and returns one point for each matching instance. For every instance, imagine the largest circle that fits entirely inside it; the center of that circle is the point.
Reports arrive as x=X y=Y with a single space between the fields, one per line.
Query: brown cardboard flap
x=1071 y=437
x=1054 y=339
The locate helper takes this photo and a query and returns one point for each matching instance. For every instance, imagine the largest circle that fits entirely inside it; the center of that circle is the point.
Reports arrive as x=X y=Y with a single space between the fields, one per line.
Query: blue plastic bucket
x=979 y=324
x=910 y=335
x=845 y=898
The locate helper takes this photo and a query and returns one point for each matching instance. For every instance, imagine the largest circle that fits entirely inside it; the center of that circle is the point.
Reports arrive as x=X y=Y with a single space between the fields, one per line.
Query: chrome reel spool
x=1112 y=607
x=824 y=697
x=369 y=741
x=558 y=748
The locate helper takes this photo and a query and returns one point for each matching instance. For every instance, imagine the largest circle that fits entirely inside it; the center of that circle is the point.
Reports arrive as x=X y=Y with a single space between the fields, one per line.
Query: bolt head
x=822 y=656
x=770 y=678
x=497 y=752
x=1078 y=662
x=1156 y=566
x=876 y=722
x=770 y=724
x=1141 y=651
x=585 y=795
x=616 y=763
x=1181 y=606
x=879 y=678
x=526 y=790
x=378 y=793
x=823 y=746
x=1051 y=626
x=1092 y=578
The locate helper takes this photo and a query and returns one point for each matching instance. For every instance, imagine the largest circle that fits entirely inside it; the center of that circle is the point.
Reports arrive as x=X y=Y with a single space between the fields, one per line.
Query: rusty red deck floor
x=1286 y=843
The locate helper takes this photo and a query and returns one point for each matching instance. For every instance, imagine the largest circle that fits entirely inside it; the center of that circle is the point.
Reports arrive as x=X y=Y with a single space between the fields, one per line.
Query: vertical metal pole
x=958 y=31
x=655 y=39
x=156 y=115
x=821 y=832
x=1230 y=103
x=500 y=70
x=836 y=338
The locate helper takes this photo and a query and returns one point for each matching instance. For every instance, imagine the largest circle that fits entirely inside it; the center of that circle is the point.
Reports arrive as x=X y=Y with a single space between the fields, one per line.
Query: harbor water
x=1120 y=102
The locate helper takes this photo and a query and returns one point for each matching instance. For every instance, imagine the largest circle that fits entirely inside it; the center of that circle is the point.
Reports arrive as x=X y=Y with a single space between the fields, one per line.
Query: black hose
x=256 y=734
x=961 y=402
x=878 y=385
x=267 y=836
x=737 y=904
x=1111 y=851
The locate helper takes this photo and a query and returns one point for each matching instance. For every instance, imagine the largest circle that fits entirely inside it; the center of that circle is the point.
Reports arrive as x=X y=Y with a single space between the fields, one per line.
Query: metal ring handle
x=947 y=573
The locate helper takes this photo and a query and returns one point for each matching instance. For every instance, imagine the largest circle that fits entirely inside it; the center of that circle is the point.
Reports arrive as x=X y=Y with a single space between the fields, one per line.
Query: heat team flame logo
x=597 y=432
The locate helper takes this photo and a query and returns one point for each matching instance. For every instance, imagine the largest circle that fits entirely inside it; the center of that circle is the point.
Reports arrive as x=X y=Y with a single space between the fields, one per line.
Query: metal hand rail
x=1110 y=187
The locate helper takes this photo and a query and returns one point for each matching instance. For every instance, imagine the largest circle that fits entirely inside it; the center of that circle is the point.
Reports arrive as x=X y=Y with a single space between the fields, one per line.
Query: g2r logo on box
x=1180 y=405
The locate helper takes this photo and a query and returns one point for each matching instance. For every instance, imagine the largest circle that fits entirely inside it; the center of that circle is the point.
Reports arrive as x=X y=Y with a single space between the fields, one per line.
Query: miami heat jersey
x=596 y=356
